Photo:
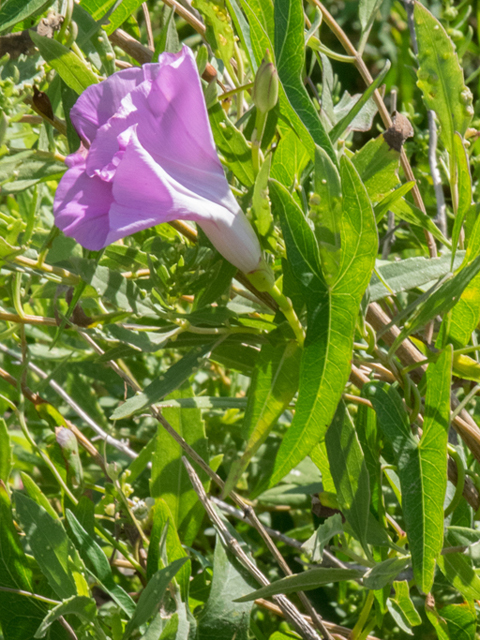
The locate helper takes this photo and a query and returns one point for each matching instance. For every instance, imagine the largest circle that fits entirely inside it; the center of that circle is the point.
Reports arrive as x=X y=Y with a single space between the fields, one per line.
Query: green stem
x=460 y=481
x=232 y=92
x=66 y=20
x=257 y=136
x=28 y=594
x=241 y=73
x=357 y=629
x=288 y=311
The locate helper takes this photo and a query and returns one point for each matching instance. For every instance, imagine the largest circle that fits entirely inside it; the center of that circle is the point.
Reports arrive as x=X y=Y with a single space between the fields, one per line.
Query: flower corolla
x=147 y=157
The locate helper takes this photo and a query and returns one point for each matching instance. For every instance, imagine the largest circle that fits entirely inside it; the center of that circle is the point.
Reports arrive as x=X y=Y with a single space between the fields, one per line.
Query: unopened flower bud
x=265 y=87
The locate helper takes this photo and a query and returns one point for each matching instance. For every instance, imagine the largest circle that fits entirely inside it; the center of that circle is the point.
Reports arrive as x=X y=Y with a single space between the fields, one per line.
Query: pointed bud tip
x=265 y=86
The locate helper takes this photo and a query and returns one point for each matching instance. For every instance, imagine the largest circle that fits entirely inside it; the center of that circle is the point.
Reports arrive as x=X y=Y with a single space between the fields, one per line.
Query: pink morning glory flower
x=147 y=157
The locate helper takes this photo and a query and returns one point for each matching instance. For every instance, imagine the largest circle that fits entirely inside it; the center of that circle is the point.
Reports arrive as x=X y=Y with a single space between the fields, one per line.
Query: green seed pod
x=265 y=87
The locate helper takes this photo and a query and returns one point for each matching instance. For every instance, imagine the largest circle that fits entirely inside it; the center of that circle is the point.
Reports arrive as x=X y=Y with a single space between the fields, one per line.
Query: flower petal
x=99 y=102
x=145 y=195
x=172 y=125
x=81 y=207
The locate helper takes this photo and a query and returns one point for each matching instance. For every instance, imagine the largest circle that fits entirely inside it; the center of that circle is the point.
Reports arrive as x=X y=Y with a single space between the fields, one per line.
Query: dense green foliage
x=357 y=451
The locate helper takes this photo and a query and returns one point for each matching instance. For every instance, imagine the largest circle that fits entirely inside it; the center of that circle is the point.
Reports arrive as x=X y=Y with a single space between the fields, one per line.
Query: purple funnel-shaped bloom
x=151 y=159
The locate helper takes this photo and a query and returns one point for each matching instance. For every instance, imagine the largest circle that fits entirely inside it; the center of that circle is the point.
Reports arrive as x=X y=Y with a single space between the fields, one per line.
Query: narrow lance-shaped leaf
x=332 y=310
x=440 y=301
x=17 y=10
x=161 y=518
x=300 y=110
x=367 y=10
x=176 y=375
x=349 y=472
x=303 y=582
x=152 y=595
x=290 y=59
x=223 y=618
x=98 y=565
x=421 y=466
x=81 y=606
x=274 y=383
x=232 y=145
x=342 y=125
x=402 y=608
x=73 y=71
x=170 y=480
x=6 y=459
x=440 y=77
x=51 y=548
x=19 y=616
x=459 y=571
x=121 y=14
x=463 y=184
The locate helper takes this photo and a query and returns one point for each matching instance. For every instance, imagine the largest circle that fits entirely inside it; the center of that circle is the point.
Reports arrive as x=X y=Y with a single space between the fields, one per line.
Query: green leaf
x=290 y=60
x=440 y=301
x=367 y=10
x=342 y=125
x=461 y=620
x=73 y=71
x=384 y=573
x=19 y=616
x=29 y=168
x=223 y=618
x=311 y=579
x=274 y=383
x=463 y=181
x=295 y=104
x=316 y=544
x=410 y=213
x=51 y=547
x=440 y=77
x=260 y=200
x=97 y=8
x=205 y=403
x=151 y=597
x=17 y=10
x=421 y=466
x=463 y=536
x=173 y=378
x=170 y=479
x=369 y=437
x=37 y=496
x=161 y=518
x=120 y=14
x=349 y=472
x=98 y=565
x=232 y=146
x=385 y=204
x=242 y=29
x=289 y=160
x=459 y=571
x=402 y=608
x=168 y=40
x=433 y=461
x=81 y=606
x=332 y=311
x=219 y=33
x=377 y=164
x=6 y=457
x=94 y=42
x=139 y=464
x=326 y=212
x=403 y=275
